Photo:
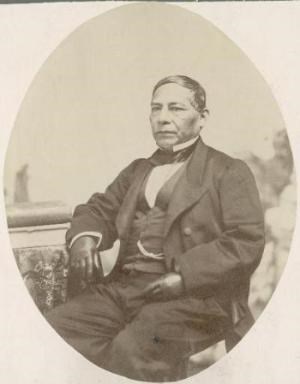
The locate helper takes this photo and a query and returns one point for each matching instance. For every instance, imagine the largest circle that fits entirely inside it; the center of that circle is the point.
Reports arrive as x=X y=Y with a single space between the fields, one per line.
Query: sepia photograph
x=150 y=192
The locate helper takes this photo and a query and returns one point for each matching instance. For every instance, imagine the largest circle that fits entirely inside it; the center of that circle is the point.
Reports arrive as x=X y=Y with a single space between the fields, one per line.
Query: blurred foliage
x=275 y=179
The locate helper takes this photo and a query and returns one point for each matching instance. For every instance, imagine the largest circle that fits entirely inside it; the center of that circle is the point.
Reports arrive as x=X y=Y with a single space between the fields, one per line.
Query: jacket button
x=187 y=231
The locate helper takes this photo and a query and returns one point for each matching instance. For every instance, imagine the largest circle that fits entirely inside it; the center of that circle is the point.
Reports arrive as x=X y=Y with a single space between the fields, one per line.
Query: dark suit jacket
x=214 y=231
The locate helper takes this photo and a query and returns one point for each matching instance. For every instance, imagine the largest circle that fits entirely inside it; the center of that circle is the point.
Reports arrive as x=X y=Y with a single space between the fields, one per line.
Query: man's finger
x=156 y=291
x=98 y=266
x=148 y=291
x=72 y=263
x=75 y=264
x=89 y=268
x=82 y=268
x=76 y=260
x=97 y=260
x=149 y=288
x=155 y=295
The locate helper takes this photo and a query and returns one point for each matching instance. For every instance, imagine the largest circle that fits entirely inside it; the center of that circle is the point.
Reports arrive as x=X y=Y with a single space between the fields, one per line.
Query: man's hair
x=199 y=94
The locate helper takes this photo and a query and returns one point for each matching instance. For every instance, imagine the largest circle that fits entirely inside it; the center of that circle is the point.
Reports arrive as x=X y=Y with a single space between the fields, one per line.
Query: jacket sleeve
x=99 y=213
x=236 y=252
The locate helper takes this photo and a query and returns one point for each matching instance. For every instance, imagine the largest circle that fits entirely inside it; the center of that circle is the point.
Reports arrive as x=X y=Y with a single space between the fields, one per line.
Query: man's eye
x=176 y=109
x=155 y=109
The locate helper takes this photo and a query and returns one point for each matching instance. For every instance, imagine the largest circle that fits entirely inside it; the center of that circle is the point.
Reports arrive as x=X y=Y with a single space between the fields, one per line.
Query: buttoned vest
x=148 y=226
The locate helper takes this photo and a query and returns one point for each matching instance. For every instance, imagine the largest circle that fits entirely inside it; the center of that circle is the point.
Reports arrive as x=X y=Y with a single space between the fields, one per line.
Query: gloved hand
x=85 y=258
x=169 y=286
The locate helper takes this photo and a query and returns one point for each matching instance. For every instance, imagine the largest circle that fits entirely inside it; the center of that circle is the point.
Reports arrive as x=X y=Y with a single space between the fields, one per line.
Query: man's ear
x=204 y=117
x=204 y=114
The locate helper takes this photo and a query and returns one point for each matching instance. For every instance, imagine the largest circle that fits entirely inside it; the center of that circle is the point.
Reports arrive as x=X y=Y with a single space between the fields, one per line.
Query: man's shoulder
x=134 y=164
x=219 y=158
x=133 y=167
x=221 y=163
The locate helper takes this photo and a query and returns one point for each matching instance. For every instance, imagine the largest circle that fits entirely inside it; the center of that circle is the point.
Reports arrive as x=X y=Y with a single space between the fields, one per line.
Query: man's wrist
x=97 y=236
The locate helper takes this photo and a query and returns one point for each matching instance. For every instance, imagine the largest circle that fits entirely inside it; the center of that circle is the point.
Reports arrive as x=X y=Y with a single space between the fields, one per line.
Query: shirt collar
x=186 y=144
x=183 y=151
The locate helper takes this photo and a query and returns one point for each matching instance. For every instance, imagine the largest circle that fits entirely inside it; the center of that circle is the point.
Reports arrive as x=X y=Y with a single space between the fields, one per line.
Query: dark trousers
x=113 y=326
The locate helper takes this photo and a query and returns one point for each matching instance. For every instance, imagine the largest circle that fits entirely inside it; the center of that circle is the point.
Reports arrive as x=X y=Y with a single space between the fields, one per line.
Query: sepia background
x=85 y=117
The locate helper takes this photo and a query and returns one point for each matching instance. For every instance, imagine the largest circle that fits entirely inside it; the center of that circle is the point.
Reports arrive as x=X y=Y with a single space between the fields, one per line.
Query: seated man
x=191 y=234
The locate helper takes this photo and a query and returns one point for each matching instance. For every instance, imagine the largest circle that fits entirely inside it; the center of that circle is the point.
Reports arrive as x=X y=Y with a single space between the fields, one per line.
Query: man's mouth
x=166 y=133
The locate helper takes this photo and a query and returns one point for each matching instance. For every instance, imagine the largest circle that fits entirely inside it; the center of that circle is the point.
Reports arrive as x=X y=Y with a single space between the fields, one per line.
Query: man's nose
x=164 y=116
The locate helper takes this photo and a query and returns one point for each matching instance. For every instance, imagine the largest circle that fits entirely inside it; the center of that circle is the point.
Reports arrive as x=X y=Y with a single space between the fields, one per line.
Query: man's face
x=173 y=118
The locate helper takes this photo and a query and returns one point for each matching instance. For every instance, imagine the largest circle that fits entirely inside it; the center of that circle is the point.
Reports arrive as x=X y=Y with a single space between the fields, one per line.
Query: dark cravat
x=161 y=157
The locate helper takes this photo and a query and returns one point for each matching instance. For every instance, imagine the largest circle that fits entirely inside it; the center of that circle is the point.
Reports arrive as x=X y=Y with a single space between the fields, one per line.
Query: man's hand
x=169 y=286
x=85 y=258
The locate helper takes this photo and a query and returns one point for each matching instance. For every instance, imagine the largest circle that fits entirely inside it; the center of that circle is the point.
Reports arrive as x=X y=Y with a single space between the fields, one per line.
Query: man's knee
x=137 y=338
x=125 y=342
x=158 y=324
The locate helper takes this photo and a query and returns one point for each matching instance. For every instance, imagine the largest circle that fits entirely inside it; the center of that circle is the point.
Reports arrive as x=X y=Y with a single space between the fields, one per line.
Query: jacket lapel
x=127 y=209
x=190 y=186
